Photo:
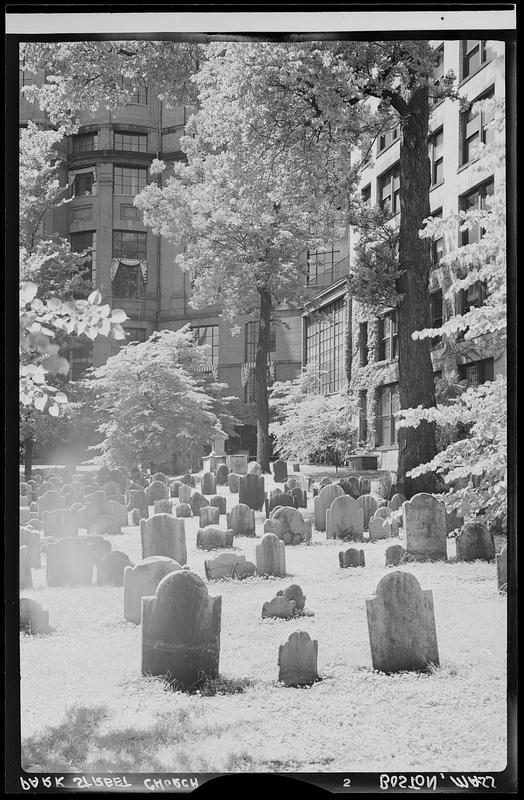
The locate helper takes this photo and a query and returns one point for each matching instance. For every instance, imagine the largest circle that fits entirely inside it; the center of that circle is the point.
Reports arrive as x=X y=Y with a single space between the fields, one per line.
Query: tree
x=150 y=400
x=306 y=421
x=474 y=467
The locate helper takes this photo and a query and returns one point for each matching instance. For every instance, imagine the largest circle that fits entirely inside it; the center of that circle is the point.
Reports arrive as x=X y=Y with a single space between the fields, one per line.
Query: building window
x=388 y=138
x=365 y=195
x=80 y=359
x=325 y=345
x=475 y=52
x=128 y=282
x=438 y=70
x=82 y=182
x=389 y=190
x=207 y=335
x=476 y=372
x=323 y=267
x=129 y=181
x=84 y=142
x=362 y=416
x=436 y=310
x=251 y=352
x=387 y=406
x=129 y=244
x=86 y=240
x=436 y=157
x=477 y=199
x=363 y=343
x=139 y=96
x=475 y=128
x=388 y=336
x=472 y=297
x=437 y=245
x=133 y=142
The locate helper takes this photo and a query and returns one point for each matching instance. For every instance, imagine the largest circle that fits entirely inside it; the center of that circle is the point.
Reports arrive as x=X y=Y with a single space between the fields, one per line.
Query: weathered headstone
x=454 y=520
x=209 y=515
x=221 y=475
x=142 y=581
x=174 y=488
x=350 y=486
x=237 y=463
x=254 y=468
x=297 y=660
x=157 y=490
x=475 y=542
x=345 y=519
x=181 y=631
x=188 y=479
x=183 y=510
x=299 y=497
x=322 y=502
x=395 y=555
x=221 y=566
x=243 y=570
x=383 y=512
x=112 y=489
x=380 y=528
x=233 y=482
x=136 y=498
x=104 y=525
x=119 y=511
x=209 y=483
x=369 y=505
x=289 y=525
x=351 y=558
x=251 y=491
x=26 y=576
x=211 y=537
x=401 y=625
x=241 y=519
x=294 y=592
x=25 y=515
x=197 y=502
x=291 y=483
x=60 y=523
x=184 y=493
x=396 y=502
x=69 y=562
x=280 y=471
x=110 y=568
x=502 y=569
x=325 y=482
x=364 y=485
x=278 y=498
x=33 y=618
x=162 y=507
x=26 y=489
x=271 y=556
x=220 y=502
x=425 y=527
x=159 y=476
x=24 y=501
x=136 y=516
x=49 y=501
x=101 y=546
x=279 y=607
x=33 y=509
x=31 y=539
x=164 y=535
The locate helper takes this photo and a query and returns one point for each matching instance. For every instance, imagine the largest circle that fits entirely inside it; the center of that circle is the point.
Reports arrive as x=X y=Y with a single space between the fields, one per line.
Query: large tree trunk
x=416 y=384
x=261 y=398
x=28 y=458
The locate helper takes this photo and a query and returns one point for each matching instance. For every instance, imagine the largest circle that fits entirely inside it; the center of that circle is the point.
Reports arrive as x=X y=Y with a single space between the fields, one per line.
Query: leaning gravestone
x=475 y=542
x=70 y=562
x=401 y=625
x=351 y=558
x=222 y=566
x=33 y=618
x=209 y=483
x=183 y=510
x=197 y=502
x=396 y=502
x=280 y=607
x=162 y=507
x=297 y=660
x=502 y=569
x=289 y=525
x=60 y=523
x=142 y=581
x=26 y=576
x=209 y=515
x=164 y=535
x=322 y=502
x=280 y=471
x=241 y=519
x=395 y=555
x=369 y=505
x=49 y=501
x=184 y=493
x=211 y=537
x=219 y=501
x=251 y=491
x=233 y=482
x=344 y=519
x=157 y=490
x=181 y=631
x=237 y=463
x=425 y=527
x=271 y=556
x=254 y=468
x=222 y=474
x=110 y=568
x=31 y=539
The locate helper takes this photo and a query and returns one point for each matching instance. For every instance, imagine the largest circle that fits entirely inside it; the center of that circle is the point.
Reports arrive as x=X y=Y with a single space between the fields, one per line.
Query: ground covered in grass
x=86 y=707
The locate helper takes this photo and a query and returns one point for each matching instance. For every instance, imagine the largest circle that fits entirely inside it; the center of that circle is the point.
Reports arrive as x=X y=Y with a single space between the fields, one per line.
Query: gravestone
x=369 y=505
x=221 y=475
x=112 y=489
x=26 y=490
x=119 y=511
x=243 y=570
x=142 y=581
x=241 y=519
x=164 y=535
x=502 y=569
x=136 y=498
x=181 y=631
x=209 y=515
x=211 y=537
x=380 y=528
x=25 y=515
x=233 y=482
x=101 y=546
x=297 y=660
x=197 y=502
x=24 y=501
x=49 y=501
x=383 y=512
x=401 y=625
x=184 y=493
x=33 y=618
x=162 y=507
x=453 y=521
x=157 y=490
x=325 y=482
x=237 y=463
x=221 y=566
x=183 y=510
x=280 y=471
x=188 y=479
x=278 y=498
x=110 y=568
x=88 y=489
x=104 y=525
x=60 y=523
x=290 y=484
x=322 y=502
x=271 y=556
x=425 y=527
x=251 y=491
x=31 y=539
x=160 y=476
x=351 y=558
x=296 y=467
x=174 y=488
x=294 y=593
x=136 y=516
x=395 y=555
x=209 y=483
x=254 y=468
x=299 y=497
x=33 y=509
x=70 y=562
x=396 y=502
x=350 y=487
x=219 y=501
x=279 y=607
x=289 y=525
x=26 y=576
x=345 y=519
x=364 y=486
x=475 y=542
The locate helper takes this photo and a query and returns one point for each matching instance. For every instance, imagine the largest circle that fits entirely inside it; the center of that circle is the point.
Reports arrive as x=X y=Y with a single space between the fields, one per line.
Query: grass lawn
x=86 y=707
